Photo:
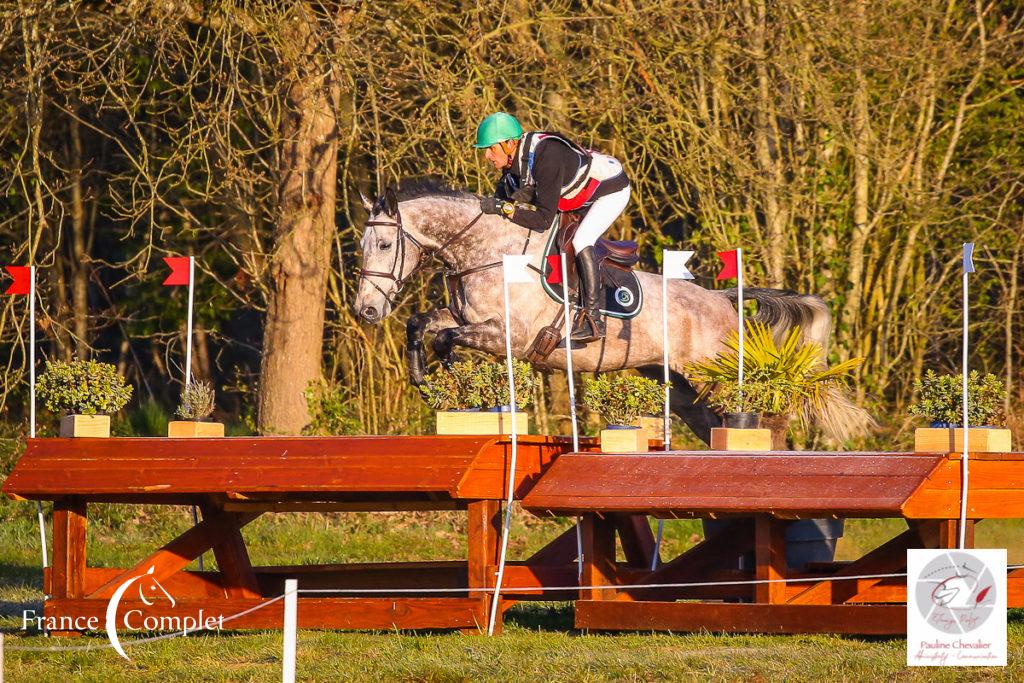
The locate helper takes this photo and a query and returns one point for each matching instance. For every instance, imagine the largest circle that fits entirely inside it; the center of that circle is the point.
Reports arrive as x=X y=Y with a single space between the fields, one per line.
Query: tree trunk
x=79 y=269
x=293 y=333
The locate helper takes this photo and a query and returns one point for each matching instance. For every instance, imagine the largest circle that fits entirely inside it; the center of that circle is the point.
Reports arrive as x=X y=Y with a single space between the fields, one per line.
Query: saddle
x=619 y=254
x=623 y=296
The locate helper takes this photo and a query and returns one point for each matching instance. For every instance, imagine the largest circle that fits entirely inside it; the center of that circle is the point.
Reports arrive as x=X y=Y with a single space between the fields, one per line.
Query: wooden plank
x=871 y=484
x=739 y=618
x=335 y=613
x=890 y=557
x=67 y=574
x=598 y=556
x=637 y=540
x=482 y=550
x=236 y=572
x=562 y=550
x=700 y=563
x=354 y=506
x=769 y=559
x=177 y=554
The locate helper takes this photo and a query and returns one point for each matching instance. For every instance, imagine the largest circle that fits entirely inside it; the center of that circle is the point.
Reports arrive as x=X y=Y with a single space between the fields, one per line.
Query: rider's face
x=497 y=156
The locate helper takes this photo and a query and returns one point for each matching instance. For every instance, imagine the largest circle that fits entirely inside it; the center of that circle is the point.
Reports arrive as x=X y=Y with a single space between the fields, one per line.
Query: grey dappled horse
x=408 y=226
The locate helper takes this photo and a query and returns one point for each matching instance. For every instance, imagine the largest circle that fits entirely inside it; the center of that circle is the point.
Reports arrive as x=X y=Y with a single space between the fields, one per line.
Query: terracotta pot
x=779 y=426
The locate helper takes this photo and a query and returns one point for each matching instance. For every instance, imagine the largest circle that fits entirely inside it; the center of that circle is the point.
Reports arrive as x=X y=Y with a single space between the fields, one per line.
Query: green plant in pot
x=87 y=391
x=781 y=379
x=620 y=400
x=940 y=401
x=197 y=405
x=466 y=387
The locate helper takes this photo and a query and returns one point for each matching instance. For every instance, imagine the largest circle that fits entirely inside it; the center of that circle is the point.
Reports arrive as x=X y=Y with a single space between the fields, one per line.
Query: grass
x=539 y=643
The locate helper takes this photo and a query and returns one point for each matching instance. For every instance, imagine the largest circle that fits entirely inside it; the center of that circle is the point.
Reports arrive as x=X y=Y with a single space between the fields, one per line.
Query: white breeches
x=600 y=216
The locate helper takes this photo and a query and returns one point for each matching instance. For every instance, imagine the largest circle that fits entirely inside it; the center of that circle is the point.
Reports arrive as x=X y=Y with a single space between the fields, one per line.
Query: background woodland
x=849 y=147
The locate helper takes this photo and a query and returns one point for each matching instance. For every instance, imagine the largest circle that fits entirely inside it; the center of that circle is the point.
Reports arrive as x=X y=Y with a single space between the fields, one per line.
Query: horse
x=415 y=222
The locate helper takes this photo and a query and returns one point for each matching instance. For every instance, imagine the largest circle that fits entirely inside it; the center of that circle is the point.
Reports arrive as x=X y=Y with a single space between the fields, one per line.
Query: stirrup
x=589 y=327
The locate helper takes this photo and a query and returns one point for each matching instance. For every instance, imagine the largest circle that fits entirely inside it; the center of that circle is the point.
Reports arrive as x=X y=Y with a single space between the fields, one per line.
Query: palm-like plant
x=785 y=378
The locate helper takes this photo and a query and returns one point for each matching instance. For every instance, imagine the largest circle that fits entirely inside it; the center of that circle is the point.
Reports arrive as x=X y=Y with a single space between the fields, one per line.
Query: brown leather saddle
x=619 y=254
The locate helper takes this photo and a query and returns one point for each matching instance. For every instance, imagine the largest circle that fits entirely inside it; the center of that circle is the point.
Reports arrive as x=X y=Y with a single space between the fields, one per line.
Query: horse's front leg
x=418 y=325
x=488 y=336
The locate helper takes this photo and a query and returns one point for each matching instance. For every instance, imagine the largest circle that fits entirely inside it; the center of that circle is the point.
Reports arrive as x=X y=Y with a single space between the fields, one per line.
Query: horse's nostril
x=369 y=313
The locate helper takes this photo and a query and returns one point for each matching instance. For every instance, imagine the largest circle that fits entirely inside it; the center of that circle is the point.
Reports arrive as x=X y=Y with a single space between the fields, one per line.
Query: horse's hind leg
x=418 y=325
x=682 y=399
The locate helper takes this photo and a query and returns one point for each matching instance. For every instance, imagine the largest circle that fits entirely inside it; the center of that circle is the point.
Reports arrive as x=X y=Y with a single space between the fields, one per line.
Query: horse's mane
x=429 y=186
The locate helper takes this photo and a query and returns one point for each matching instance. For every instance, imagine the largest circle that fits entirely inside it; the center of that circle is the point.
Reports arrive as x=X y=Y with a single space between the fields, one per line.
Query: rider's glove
x=495 y=206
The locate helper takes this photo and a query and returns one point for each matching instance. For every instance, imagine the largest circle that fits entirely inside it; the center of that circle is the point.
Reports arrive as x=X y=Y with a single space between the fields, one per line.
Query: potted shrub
x=741 y=417
x=472 y=397
x=620 y=401
x=87 y=391
x=197 y=404
x=940 y=400
x=781 y=380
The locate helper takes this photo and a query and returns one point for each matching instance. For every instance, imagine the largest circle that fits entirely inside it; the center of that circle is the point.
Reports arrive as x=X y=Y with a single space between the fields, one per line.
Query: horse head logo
x=149 y=588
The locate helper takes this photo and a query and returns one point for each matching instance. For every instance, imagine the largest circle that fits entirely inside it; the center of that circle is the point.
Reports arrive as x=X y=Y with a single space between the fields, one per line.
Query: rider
x=544 y=173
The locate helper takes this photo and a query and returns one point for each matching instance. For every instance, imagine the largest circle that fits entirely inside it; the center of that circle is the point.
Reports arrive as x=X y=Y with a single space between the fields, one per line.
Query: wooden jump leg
x=216 y=529
x=66 y=575
x=483 y=544
x=236 y=573
x=598 y=556
x=770 y=559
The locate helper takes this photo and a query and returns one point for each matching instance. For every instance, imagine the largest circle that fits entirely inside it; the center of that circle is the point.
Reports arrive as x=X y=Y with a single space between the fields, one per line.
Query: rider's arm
x=551 y=163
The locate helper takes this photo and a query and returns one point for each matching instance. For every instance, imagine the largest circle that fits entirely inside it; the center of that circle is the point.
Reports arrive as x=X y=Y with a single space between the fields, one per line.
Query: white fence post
x=291 y=595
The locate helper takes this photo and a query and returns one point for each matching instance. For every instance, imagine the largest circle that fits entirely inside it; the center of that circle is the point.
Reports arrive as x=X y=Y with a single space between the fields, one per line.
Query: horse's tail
x=781 y=309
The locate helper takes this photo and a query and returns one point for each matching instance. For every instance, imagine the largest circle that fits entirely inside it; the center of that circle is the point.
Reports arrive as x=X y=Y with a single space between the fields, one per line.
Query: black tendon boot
x=589 y=325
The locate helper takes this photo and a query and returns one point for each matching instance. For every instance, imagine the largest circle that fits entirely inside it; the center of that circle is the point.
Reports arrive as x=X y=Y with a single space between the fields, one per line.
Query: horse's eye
x=384 y=245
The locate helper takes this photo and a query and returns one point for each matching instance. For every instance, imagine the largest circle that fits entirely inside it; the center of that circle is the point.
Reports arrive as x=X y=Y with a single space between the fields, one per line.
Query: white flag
x=674 y=265
x=517 y=268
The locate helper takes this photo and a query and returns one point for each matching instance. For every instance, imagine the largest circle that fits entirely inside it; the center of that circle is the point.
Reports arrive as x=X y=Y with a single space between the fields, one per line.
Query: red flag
x=730 y=269
x=555 y=274
x=179 y=270
x=22 y=279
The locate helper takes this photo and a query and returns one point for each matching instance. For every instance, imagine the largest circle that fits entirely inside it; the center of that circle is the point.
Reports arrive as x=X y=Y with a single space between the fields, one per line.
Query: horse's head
x=390 y=256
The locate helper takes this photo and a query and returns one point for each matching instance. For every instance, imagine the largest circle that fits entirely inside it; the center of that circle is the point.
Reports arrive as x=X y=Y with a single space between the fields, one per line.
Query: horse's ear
x=367 y=204
x=391 y=201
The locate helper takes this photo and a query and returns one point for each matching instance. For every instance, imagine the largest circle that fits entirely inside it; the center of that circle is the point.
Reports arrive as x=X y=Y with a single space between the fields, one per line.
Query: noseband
x=399 y=263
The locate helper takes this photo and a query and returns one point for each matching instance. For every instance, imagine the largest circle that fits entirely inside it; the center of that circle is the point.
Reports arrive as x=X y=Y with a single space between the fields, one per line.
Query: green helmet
x=496 y=128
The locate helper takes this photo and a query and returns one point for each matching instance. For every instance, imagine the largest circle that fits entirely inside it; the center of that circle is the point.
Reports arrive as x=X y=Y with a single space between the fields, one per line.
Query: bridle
x=398 y=266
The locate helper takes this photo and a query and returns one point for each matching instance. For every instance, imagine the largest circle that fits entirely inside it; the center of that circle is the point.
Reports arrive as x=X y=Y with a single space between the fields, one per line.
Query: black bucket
x=741 y=420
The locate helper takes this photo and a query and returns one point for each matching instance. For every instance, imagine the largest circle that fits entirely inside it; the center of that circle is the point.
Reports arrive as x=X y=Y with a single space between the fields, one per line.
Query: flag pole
x=567 y=324
x=32 y=351
x=512 y=461
x=665 y=421
x=188 y=339
x=968 y=266
x=739 y=302
x=32 y=396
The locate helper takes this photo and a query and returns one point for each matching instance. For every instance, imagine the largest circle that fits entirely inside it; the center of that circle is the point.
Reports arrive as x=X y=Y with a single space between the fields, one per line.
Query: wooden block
x=728 y=439
x=950 y=440
x=654 y=426
x=624 y=440
x=456 y=422
x=97 y=426
x=186 y=429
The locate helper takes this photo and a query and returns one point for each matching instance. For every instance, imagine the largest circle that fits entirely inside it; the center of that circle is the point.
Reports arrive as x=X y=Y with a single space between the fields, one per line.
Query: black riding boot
x=589 y=325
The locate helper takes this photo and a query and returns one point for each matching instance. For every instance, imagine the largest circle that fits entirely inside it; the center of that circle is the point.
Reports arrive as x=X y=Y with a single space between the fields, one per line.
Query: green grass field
x=538 y=644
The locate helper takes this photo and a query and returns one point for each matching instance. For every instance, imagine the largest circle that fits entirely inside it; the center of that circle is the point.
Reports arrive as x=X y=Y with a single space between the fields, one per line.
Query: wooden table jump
x=771 y=488
x=235 y=480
